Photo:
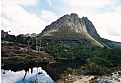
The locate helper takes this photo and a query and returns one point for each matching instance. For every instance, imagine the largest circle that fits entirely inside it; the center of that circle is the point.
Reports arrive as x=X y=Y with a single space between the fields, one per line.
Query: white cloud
x=48 y=16
x=85 y=7
x=19 y=21
x=108 y=25
x=118 y=9
x=16 y=19
x=49 y=1
x=89 y=3
x=20 y=2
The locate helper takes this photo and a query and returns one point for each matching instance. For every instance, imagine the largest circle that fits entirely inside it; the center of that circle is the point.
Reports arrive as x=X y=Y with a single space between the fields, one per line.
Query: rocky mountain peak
x=73 y=23
x=74 y=15
x=67 y=21
x=90 y=27
x=70 y=29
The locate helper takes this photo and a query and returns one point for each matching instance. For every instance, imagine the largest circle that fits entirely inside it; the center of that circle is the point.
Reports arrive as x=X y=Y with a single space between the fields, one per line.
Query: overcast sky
x=31 y=16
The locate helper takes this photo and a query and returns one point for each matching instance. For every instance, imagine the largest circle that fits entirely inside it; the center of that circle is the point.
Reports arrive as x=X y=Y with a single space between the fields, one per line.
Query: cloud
x=48 y=16
x=84 y=7
x=108 y=25
x=49 y=1
x=16 y=19
x=89 y=3
x=11 y=77
x=20 y=2
x=118 y=9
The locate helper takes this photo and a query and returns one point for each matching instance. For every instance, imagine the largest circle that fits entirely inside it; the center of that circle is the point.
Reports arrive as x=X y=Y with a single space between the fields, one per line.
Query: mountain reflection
x=32 y=75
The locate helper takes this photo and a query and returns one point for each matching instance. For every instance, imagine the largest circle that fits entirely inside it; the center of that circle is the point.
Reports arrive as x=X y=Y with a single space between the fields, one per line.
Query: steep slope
x=70 y=29
x=90 y=28
x=71 y=22
x=110 y=43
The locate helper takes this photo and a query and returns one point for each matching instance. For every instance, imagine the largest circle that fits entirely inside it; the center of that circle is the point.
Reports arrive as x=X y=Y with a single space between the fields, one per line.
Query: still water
x=34 y=75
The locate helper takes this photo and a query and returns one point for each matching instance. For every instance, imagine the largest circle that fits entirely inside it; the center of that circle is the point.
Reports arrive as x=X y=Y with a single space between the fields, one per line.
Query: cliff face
x=90 y=27
x=72 y=29
x=71 y=22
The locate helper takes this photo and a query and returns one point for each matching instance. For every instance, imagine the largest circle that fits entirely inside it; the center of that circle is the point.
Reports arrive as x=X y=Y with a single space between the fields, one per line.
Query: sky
x=32 y=16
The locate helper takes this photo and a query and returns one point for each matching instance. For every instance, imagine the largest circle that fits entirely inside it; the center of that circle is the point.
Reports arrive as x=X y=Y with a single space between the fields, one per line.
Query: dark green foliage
x=11 y=38
x=20 y=39
x=96 y=60
x=31 y=42
x=7 y=37
x=94 y=69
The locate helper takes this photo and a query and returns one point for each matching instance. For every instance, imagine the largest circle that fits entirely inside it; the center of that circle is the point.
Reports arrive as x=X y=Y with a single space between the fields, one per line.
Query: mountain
x=70 y=29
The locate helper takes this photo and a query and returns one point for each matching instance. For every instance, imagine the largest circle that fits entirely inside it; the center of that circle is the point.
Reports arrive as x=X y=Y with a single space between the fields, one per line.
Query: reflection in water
x=33 y=75
x=25 y=75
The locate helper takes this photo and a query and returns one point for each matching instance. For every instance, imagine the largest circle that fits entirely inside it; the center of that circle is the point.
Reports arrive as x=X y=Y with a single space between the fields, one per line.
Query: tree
x=20 y=39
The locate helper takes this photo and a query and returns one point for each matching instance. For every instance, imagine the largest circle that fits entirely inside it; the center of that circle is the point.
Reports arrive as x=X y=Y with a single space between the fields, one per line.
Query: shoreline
x=53 y=73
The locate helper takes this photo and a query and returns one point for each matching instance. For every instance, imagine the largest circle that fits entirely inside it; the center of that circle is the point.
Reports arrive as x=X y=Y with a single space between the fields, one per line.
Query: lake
x=33 y=74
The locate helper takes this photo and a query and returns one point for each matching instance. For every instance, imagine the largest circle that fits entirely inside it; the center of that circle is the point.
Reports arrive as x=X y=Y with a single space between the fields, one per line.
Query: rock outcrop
x=72 y=22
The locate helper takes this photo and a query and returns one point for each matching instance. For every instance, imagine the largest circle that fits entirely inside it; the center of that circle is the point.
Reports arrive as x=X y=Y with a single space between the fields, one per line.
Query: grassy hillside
x=61 y=35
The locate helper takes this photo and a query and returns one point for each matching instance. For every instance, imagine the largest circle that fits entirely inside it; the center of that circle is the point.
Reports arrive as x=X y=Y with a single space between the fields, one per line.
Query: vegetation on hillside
x=59 y=58
x=90 y=59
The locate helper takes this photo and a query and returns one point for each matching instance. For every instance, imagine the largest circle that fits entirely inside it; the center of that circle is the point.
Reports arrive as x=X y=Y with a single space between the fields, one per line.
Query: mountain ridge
x=67 y=25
